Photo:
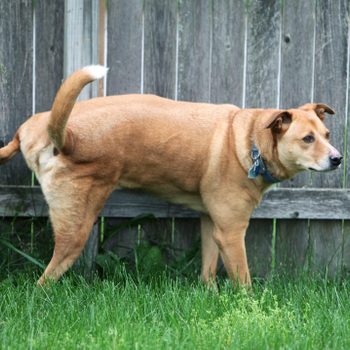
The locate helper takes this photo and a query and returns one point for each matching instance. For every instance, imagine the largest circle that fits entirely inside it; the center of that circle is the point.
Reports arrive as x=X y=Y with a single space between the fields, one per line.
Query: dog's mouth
x=331 y=168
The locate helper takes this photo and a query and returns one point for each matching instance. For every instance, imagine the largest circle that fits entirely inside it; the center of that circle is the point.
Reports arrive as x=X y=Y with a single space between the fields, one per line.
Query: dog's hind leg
x=210 y=250
x=72 y=226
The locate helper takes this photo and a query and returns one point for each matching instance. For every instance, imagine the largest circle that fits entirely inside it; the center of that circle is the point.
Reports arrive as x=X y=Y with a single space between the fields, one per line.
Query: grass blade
x=28 y=257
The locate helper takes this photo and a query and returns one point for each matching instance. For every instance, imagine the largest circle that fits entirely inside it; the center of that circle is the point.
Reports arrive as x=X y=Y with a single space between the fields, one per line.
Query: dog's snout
x=336 y=160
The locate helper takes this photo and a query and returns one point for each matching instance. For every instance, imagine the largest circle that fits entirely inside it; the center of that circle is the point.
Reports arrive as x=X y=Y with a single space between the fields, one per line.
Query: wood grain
x=262 y=65
x=49 y=29
x=124 y=46
x=280 y=203
x=297 y=59
x=227 y=54
x=160 y=47
x=194 y=51
x=16 y=69
x=81 y=30
x=330 y=87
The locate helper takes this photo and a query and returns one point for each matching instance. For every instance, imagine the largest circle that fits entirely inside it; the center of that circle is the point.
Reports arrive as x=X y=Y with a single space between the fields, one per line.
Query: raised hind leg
x=72 y=224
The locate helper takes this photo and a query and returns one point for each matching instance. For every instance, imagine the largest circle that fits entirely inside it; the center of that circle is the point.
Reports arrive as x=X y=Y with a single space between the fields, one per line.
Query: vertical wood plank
x=16 y=69
x=263 y=36
x=160 y=47
x=194 y=29
x=125 y=59
x=227 y=56
x=264 y=21
x=227 y=35
x=124 y=55
x=330 y=87
x=81 y=39
x=297 y=58
x=160 y=40
x=81 y=48
x=346 y=183
x=194 y=50
x=49 y=28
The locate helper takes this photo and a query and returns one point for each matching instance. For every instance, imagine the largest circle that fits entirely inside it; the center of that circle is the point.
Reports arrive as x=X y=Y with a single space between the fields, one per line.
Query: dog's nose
x=335 y=160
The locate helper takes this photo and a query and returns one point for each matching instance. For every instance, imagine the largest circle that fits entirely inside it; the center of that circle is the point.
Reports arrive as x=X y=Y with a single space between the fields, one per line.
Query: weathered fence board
x=259 y=53
x=160 y=61
x=227 y=54
x=346 y=183
x=194 y=44
x=330 y=87
x=297 y=53
x=160 y=48
x=16 y=69
x=125 y=57
x=193 y=79
x=81 y=48
x=280 y=203
x=49 y=29
x=81 y=33
x=124 y=46
x=263 y=34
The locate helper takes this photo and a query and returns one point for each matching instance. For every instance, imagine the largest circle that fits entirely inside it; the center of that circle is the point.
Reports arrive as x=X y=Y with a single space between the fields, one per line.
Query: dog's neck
x=259 y=167
x=267 y=146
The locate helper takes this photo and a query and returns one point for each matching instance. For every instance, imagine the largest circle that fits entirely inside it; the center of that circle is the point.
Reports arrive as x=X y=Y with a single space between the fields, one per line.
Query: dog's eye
x=309 y=139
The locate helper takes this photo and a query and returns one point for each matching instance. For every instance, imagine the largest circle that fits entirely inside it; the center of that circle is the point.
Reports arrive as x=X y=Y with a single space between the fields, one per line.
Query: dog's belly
x=168 y=192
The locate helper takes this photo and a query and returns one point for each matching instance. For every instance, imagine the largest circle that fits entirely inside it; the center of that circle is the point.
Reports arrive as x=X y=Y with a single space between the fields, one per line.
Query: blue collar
x=259 y=167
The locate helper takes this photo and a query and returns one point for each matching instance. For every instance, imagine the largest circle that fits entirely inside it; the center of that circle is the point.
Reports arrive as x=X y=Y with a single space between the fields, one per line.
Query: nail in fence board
x=16 y=69
x=297 y=58
x=263 y=34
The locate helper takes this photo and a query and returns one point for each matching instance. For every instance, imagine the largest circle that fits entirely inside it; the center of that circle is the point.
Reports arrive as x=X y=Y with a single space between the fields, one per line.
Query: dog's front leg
x=230 y=212
x=210 y=250
x=233 y=253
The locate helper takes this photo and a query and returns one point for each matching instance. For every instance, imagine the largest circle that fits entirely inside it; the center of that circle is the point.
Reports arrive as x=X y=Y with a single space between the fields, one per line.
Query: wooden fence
x=256 y=53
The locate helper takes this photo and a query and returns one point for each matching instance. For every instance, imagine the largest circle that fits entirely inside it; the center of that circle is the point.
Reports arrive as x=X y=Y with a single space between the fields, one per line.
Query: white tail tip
x=96 y=71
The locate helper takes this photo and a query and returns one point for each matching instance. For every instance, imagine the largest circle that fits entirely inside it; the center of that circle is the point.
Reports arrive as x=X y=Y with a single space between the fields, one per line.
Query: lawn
x=125 y=312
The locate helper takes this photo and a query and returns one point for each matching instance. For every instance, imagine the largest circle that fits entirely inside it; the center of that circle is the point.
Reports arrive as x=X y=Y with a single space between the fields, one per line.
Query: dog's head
x=302 y=139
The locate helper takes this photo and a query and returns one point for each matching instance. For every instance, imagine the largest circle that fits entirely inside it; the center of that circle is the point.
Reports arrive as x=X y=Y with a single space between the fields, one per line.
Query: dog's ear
x=319 y=108
x=278 y=122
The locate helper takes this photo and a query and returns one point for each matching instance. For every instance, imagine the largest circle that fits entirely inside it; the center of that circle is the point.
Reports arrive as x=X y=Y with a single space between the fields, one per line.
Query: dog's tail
x=7 y=152
x=64 y=103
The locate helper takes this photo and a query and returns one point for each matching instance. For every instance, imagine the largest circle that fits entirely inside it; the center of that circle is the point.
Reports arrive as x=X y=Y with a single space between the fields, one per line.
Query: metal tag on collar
x=255 y=169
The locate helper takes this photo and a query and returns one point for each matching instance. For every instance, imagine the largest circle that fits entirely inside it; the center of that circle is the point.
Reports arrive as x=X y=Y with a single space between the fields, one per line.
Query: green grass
x=166 y=313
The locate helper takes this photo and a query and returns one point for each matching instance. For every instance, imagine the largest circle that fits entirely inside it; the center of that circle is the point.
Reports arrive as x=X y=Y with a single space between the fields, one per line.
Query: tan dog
x=196 y=154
